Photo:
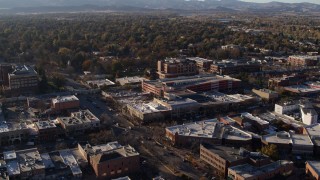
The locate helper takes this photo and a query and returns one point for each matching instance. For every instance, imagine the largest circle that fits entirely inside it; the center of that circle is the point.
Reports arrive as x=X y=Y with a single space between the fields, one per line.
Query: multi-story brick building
x=266 y=94
x=111 y=160
x=79 y=122
x=23 y=79
x=249 y=172
x=65 y=102
x=13 y=133
x=202 y=64
x=290 y=142
x=24 y=164
x=47 y=131
x=173 y=67
x=234 y=68
x=303 y=60
x=286 y=81
x=207 y=131
x=199 y=83
x=314 y=132
x=223 y=157
x=5 y=69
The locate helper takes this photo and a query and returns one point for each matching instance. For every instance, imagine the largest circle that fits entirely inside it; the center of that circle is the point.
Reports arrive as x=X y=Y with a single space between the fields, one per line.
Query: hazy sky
x=287 y=1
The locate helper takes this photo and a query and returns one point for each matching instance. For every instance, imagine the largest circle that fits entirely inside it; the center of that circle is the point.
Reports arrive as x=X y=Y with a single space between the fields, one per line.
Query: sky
x=286 y=1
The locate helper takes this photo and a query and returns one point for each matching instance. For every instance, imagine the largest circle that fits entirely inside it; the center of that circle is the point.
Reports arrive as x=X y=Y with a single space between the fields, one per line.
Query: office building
x=173 y=67
x=303 y=60
x=202 y=64
x=223 y=157
x=130 y=80
x=314 y=133
x=207 y=131
x=225 y=68
x=199 y=83
x=79 y=122
x=285 y=80
x=249 y=172
x=266 y=94
x=151 y=111
x=46 y=130
x=24 y=164
x=111 y=160
x=290 y=142
x=22 y=80
x=5 y=69
x=65 y=102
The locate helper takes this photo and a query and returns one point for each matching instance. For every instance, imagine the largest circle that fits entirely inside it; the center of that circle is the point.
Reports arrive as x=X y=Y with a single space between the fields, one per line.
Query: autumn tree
x=271 y=151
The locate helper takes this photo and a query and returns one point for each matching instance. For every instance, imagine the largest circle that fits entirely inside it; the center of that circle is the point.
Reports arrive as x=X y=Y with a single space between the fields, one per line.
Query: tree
x=58 y=80
x=43 y=84
x=86 y=65
x=271 y=151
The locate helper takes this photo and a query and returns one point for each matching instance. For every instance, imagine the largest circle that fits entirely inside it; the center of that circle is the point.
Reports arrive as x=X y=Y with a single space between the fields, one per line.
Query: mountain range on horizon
x=63 y=5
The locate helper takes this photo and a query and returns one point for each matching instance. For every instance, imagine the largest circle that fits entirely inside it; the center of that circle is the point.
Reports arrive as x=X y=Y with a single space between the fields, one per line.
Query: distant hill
x=21 y=6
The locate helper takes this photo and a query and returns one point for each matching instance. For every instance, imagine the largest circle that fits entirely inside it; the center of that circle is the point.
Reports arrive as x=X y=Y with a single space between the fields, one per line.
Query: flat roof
x=8 y=155
x=130 y=80
x=211 y=128
x=85 y=115
x=247 y=170
x=313 y=130
x=190 y=80
x=150 y=107
x=101 y=82
x=123 y=178
x=30 y=159
x=301 y=139
x=306 y=57
x=206 y=128
x=106 y=147
x=221 y=97
x=178 y=102
x=228 y=153
x=82 y=161
x=198 y=59
x=278 y=138
x=267 y=91
x=45 y=124
x=79 y=117
x=254 y=118
x=46 y=159
x=124 y=151
x=23 y=70
x=241 y=97
x=70 y=161
x=60 y=99
x=315 y=165
x=13 y=168
x=227 y=118
x=301 y=89
x=233 y=133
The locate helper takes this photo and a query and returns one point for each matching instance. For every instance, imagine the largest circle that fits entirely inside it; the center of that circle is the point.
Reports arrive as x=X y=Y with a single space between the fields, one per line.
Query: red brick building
x=111 y=160
x=303 y=60
x=47 y=131
x=234 y=68
x=208 y=131
x=199 y=83
x=223 y=157
x=171 y=68
x=65 y=102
